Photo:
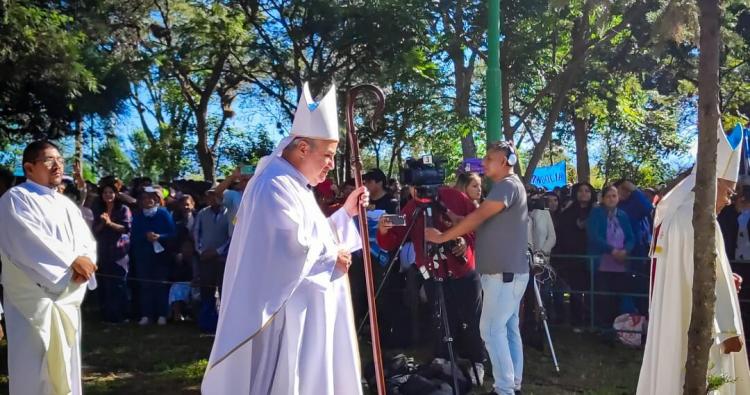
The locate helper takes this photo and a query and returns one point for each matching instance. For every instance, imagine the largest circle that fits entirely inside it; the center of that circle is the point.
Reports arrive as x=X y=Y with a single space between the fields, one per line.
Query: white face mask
x=150 y=212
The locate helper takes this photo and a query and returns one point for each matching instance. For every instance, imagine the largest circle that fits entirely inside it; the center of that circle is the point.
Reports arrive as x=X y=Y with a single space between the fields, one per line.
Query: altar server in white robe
x=285 y=321
x=663 y=368
x=48 y=256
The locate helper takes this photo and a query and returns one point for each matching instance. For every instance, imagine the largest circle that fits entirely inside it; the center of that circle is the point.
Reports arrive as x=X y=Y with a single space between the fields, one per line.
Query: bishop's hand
x=737 y=282
x=360 y=196
x=733 y=344
x=344 y=261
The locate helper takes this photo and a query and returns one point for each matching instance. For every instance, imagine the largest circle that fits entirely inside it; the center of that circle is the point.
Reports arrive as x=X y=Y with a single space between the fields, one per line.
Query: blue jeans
x=499 y=329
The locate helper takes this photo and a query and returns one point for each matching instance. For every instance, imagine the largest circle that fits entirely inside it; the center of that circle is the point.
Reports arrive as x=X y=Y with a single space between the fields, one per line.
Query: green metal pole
x=494 y=98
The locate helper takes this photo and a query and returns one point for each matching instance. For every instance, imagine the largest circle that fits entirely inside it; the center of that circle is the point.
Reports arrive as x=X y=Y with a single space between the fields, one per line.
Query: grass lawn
x=170 y=360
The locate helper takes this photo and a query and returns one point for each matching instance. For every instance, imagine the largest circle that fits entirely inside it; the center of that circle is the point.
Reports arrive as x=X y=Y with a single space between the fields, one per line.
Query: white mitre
x=315 y=120
x=729 y=153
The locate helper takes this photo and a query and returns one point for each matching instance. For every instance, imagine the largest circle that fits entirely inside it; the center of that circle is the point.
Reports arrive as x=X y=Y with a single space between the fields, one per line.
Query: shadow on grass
x=129 y=359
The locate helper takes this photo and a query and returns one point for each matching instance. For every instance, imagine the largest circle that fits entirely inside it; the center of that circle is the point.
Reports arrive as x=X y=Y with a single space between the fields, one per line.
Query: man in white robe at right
x=663 y=367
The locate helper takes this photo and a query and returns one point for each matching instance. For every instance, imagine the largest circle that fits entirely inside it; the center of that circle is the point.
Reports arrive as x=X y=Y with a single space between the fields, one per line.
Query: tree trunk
x=205 y=155
x=704 y=213
x=376 y=151
x=581 y=131
x=505 y=88
x=394 y=154
x=464 y=76
x=79 y=139
x=561 y=96
x=560 y=92
x=347 y=161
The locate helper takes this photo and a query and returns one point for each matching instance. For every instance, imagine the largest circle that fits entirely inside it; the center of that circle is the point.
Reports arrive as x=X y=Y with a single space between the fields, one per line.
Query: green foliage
x=243 y=148
x=60 y=61
x=112 y=160
x=184 y=64
x=715 y=382
x=636 y=130
x=163 y=159
x=42 y=69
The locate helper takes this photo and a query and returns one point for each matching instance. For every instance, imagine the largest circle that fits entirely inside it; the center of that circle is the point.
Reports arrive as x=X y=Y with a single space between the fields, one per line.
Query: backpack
x=635 y=325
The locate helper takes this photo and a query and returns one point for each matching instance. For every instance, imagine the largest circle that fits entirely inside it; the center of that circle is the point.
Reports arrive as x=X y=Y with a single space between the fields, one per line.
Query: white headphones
x=512 y=158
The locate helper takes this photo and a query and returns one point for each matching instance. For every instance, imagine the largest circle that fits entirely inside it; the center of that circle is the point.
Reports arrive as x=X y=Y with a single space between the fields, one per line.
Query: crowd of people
x=285 y=235
x=162 y=249
x=161 y=252
x=180 y=233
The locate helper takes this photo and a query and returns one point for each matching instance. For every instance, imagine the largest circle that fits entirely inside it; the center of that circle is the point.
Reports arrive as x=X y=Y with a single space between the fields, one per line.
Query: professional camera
x=425 y=175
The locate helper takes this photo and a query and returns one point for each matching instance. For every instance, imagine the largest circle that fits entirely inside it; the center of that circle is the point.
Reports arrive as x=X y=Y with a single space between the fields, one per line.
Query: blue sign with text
x=550 y=177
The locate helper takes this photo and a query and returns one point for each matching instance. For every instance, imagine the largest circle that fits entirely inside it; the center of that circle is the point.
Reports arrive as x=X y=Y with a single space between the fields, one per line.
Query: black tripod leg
x=447 y=339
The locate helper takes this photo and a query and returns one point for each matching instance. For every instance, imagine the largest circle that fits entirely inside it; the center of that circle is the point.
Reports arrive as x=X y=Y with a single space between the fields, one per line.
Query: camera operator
x=501 y=255
x=463 y=289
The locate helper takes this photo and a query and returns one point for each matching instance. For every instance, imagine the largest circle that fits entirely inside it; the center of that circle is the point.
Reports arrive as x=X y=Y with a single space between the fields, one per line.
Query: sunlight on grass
x=171 y=360
x=187 y=372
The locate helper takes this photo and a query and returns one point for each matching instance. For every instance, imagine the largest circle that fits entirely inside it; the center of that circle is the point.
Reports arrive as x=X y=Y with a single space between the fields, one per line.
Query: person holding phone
x=232 y=188
x=463 y=289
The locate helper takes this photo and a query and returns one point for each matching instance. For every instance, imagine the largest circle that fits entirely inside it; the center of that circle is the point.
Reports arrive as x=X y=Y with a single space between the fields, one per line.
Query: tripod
x=437 y=257
x=433 y=270
x=537 y=267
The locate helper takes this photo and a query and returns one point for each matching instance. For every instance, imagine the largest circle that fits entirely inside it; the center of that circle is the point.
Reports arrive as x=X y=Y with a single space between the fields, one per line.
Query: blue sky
x=258 y=112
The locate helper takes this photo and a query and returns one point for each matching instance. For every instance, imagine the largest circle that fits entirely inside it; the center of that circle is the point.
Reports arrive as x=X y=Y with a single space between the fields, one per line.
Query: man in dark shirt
x=375 y=181
x=463 y=288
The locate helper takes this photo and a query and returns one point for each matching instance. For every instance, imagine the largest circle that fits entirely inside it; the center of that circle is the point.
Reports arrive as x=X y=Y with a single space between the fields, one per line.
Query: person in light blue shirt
x=211 y=235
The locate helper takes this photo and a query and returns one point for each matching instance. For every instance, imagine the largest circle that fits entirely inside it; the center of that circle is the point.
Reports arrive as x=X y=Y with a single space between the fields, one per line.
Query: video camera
x=425 y=175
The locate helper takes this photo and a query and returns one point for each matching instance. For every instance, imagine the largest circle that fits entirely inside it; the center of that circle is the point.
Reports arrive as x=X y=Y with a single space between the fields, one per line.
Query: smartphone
x=247 y=170
x=395 y=220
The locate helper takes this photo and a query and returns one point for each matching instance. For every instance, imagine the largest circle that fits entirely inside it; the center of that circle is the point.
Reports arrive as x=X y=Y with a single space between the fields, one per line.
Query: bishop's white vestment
x=285 y=321
x=663 y=368
x=42 y=233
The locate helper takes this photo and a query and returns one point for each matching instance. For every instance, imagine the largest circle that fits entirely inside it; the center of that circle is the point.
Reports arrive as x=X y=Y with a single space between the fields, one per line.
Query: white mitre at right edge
x=728 y=155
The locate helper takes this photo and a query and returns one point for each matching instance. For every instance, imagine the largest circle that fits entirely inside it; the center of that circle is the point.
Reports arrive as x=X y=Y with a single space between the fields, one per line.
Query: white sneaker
x=143 y=321
x=161 y=321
